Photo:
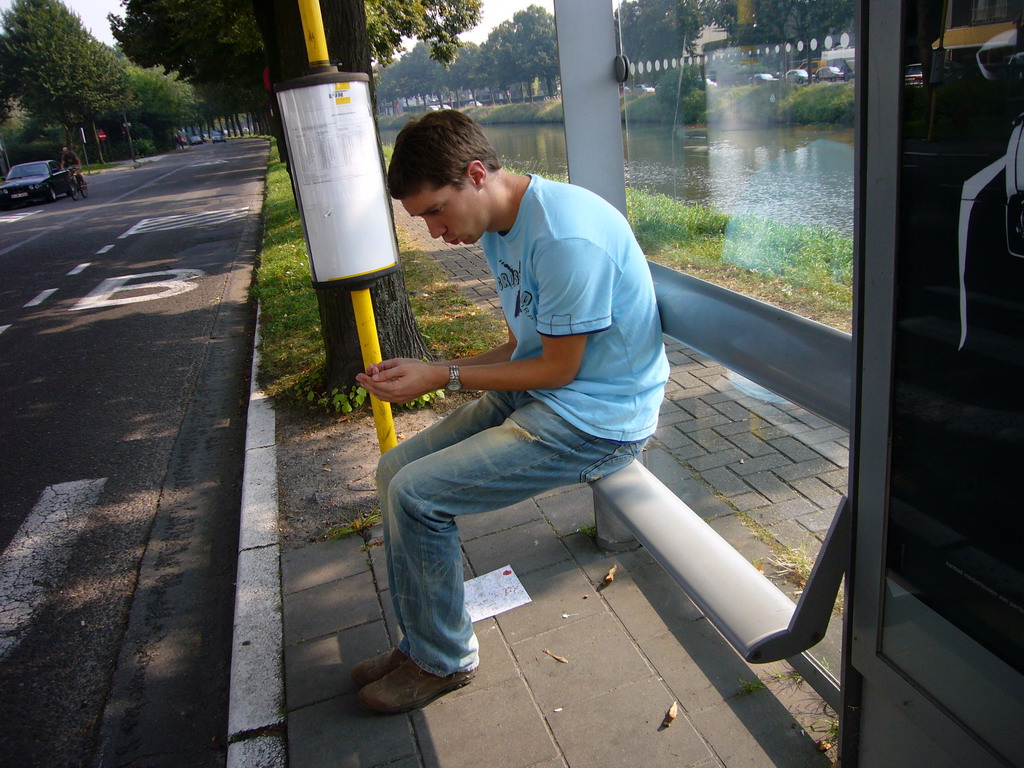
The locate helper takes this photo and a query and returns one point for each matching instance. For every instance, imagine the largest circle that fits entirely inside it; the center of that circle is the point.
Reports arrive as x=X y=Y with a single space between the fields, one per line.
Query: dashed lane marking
x=79 y=269
x=39 y=553
x=183 y=220
x=41 y=297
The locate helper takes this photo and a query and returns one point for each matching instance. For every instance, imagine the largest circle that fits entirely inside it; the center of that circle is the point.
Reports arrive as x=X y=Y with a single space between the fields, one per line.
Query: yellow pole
x=362 y=306
x=313 y=28
x=366 y=327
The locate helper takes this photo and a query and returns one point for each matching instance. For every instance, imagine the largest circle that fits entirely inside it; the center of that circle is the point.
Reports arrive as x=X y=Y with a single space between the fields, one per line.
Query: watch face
x=454 y=384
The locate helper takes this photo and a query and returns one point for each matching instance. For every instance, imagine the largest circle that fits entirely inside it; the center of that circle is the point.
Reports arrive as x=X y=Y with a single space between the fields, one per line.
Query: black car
x=32 y=182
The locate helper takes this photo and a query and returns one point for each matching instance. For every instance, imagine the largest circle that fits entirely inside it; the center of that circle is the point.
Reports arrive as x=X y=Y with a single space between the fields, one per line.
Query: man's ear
x=476 y=173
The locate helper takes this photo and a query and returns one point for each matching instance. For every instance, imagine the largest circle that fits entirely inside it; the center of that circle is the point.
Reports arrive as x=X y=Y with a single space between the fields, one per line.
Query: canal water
x=794 y=175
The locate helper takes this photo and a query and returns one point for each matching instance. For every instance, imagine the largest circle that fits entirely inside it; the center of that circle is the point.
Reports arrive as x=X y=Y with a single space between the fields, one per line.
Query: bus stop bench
x=803 y=361
x=754 y=615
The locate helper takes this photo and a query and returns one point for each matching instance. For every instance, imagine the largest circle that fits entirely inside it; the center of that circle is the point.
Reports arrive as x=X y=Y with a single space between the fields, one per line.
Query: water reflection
x=795 y=175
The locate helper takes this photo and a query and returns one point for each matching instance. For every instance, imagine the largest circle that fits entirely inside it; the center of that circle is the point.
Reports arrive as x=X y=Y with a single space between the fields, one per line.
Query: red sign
x=102 y=135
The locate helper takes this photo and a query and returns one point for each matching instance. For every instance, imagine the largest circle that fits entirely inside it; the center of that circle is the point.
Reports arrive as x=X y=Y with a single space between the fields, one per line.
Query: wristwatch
x=454 y=382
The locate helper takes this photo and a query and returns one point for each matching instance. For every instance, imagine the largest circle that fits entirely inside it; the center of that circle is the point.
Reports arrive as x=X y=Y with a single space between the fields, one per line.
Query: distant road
x=125 y=334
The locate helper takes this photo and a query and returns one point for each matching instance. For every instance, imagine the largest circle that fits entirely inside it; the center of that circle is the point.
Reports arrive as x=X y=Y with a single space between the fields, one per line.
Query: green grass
x=807 y=270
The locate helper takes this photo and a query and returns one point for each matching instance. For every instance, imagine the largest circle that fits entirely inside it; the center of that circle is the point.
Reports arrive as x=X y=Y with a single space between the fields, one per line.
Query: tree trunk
x=99 y=144
x=349 y=47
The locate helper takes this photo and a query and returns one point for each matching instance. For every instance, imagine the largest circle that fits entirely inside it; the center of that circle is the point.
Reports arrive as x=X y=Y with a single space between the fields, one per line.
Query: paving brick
x=628 y=718
x=496 y=662
x=687 y=452
x=600 y=658
x=570 y=510
x=710 y=440
x=670 y=437
x=526 y=548
x=330 y=608
x=718 y=459
x=733 y=410
x=705 y=423
x=322 y=562
x=319 y=669
x=747 y=501
x=838 y=479
x=751 y=444
x=794 y=449
x=834 y=452
x=684 y=380
x=725 y=482
x=770 y=486
x=472 y=526
x=791 y=534
x=732 y=396
x=734 y=428
x=698 y=498
x=783 y=510
x=817 y=522
x=696 y=406
x=319 y=734
x=760 y=464
x=771 y=413
x=664 y=466
x=814 y=436
x=490 y=726
x=818 y=492
x=805 y=469
x=674 y=416
x=755 y=730
x=808 y=418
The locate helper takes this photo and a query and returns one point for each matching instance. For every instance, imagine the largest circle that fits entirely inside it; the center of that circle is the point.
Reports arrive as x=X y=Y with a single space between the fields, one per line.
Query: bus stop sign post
x=338 y=178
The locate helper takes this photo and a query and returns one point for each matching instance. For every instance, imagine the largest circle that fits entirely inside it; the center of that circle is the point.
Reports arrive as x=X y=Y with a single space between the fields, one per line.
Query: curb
x=256 y=721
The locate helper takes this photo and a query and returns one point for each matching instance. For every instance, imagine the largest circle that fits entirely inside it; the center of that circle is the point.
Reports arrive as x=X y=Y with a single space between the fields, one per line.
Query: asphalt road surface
x=125 y=339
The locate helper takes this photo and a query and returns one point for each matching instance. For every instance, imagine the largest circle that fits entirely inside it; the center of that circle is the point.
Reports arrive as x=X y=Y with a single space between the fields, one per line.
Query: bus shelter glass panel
x=739 y=169
x=953 y=604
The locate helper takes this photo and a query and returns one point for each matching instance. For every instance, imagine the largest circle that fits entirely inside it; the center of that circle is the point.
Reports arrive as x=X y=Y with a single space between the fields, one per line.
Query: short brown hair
x=436 y=149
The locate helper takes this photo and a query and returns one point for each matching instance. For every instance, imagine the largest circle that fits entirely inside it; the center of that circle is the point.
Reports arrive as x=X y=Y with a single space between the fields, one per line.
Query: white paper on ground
x=494 y=593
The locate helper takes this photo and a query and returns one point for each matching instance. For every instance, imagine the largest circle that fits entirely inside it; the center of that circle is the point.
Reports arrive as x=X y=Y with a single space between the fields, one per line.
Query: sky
x=94 y=15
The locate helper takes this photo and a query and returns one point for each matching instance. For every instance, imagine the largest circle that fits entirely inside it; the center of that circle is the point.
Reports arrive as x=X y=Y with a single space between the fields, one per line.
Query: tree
x=438 y=22
x=55 y=68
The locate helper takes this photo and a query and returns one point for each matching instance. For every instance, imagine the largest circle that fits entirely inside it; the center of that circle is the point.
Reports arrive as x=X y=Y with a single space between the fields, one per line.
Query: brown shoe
x=371 y=670
x=410 y=687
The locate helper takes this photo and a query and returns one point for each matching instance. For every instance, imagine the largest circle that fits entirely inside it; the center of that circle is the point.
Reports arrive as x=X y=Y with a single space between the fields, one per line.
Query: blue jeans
x=488 y=454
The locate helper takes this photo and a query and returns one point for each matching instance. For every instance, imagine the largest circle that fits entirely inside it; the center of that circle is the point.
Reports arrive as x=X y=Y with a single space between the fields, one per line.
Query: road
x=125 y=335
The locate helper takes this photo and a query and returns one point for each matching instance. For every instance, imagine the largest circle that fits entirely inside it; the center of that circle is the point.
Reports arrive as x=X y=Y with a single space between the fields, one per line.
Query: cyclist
x=70 y=159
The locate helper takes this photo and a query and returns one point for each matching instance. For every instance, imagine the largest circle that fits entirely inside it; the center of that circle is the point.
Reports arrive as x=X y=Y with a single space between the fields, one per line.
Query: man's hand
x=402 y=380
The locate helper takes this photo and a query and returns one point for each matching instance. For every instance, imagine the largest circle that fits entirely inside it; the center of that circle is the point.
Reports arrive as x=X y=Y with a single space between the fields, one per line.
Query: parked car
x=761 y=78
x=217 y=136
x=829 y=75
x=798 y=77
x=195 y=138
x=34 y=182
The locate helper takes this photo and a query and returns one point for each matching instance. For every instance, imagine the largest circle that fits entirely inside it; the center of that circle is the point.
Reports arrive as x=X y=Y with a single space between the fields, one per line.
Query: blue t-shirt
x=570 y=265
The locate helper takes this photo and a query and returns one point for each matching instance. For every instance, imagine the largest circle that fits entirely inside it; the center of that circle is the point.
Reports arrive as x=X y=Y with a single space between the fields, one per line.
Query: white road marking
x=8 y=218
x=104 y=249
x=79 y=269
x=41 y=297
x=4 y=328
x=209 y=162
x=101 y=295
x=39 y=553
x=183 y=220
